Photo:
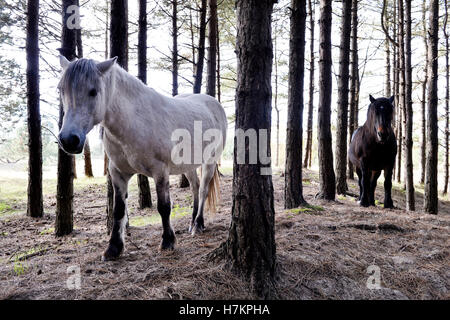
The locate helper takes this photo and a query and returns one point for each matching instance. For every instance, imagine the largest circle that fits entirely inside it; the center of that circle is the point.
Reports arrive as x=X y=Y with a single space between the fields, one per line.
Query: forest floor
x=327 y=250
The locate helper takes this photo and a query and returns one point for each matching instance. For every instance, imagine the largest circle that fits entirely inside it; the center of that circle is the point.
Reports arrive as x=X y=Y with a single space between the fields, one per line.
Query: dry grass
x=322 y=254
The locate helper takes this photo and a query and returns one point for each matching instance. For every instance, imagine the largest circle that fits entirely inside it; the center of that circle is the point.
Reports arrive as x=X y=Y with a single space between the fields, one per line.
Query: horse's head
x=83 y=96
x=379 y=117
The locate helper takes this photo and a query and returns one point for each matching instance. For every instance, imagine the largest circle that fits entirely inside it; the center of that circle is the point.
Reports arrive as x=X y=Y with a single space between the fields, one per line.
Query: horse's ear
x=105 y=66
x=391 y=99
x=372 y=99
x=64 y=62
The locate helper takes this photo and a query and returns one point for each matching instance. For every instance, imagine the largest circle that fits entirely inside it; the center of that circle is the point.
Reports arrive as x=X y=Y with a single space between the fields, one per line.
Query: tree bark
x=293 y=190
x=424 y=97
x=342 y=103
x=401 y=100
x=308 y=149
x=118 y=39
x=174 y=48
x=447 y=91
x=35 y=207
x=409 y=175
x=64 y=198
x=145 y=196
x=250 y=248
x=87 y=150
x=212 y=52
x=431 y=190
x=87 y=160
x=354 y=80
x=201 y=49
x=326 y=172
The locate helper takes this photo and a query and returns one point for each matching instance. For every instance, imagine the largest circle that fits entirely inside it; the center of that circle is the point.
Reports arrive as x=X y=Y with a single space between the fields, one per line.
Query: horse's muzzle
x=71 y=143
x=382 y=136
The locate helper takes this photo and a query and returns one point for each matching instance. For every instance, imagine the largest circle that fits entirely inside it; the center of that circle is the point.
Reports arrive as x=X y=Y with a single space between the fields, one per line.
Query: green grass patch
x=154 y=218
x=47 y=231
x=309 y=208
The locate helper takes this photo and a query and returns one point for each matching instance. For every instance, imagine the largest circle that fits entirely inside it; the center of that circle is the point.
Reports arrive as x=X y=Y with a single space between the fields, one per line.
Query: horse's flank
x=139 y=121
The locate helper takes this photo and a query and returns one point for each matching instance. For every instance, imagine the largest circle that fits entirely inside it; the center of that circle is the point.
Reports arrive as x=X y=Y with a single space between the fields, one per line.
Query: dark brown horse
x=373 y=148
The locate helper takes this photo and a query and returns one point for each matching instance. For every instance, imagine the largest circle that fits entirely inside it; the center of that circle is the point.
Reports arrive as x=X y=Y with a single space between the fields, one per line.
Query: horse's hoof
x=363 y=204
x=389 y=206
x=113 y=252
x=167 y=244
x=197 y=229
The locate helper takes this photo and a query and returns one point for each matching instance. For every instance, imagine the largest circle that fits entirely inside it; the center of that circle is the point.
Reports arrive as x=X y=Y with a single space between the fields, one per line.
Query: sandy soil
x=321 y=254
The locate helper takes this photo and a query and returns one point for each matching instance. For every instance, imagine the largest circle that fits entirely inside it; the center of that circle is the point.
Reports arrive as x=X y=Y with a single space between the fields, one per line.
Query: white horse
x=139 y=128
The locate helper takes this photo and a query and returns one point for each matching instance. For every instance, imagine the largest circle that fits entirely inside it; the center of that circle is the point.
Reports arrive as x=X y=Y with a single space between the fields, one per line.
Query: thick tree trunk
x=293 y=190
x=431 y=181
x=212 y=52
x=201 y=49
x=145 y=196
x=119 y=48
x=342 y=103
x=35 y=206
x=64 y=198
x=308 y=149
x=354 y=80
x=250 y=248
x=326 y=172
x=409 y=177
x=447 y=89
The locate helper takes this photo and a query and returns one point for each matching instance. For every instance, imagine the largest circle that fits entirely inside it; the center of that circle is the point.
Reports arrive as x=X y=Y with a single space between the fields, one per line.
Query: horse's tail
x=213 y=192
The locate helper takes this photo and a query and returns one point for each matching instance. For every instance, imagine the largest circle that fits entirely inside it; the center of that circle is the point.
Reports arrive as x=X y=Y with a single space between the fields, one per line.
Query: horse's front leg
x=163 y=195
x=117 y=241
x=373 y=186
x=365 y=185
x=388 y=203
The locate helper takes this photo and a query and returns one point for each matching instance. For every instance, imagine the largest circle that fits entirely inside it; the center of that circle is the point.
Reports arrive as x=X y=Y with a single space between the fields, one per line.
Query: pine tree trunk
x=201 y=49
x=401 y=100
x=424 y=98
x=326 y=172
x=354 y=79
x=342 y=103
x=219 y=89
x=293 y=190
x=275 y=98
x=87 y=150
x=145 y=196
x=250 y=248
x=64 y=197
x=87 y=160
x=212 y=52
x=431 y=190
x=35 y=207
x=174 y=48
x=118 y=39
x=409 y=175
x=447 y=91
x=308 y=151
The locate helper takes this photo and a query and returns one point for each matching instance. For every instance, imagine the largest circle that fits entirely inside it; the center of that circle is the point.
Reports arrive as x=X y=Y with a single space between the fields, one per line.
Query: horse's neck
x=127 y=99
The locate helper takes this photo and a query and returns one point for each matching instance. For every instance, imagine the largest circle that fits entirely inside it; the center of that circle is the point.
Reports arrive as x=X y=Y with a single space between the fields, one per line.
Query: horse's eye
x=92 y=92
